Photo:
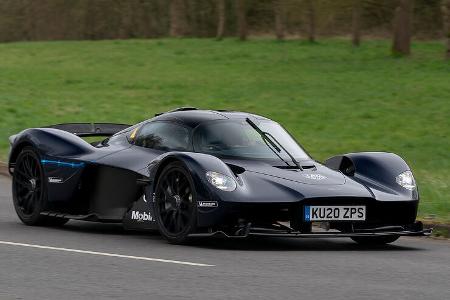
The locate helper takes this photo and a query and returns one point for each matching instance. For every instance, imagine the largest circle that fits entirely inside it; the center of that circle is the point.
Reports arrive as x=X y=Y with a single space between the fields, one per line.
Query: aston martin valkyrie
x=199 y=173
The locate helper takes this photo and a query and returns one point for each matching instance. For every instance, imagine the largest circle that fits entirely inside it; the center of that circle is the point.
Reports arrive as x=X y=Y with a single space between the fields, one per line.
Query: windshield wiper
x=268 y=141
x=271 y=139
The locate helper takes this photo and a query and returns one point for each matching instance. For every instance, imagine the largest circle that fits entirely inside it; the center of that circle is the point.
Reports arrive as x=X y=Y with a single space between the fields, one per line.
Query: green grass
x=333 y=98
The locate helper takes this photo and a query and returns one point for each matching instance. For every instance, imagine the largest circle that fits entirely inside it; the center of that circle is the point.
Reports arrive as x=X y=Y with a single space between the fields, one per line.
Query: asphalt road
x=88 y=260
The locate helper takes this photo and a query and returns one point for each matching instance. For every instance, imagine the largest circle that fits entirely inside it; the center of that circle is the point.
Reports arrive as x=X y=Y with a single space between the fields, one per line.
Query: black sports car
x=191 y=172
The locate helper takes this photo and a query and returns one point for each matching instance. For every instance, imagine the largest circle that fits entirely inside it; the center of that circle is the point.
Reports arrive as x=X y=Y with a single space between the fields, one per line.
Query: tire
x=375 y=240
x=29 y=190
x=175 y=203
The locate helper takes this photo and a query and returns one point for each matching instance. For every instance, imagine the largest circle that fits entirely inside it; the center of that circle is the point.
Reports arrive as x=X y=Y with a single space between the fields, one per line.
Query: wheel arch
x=197 y=164
x=160 y=167
x=15 y=151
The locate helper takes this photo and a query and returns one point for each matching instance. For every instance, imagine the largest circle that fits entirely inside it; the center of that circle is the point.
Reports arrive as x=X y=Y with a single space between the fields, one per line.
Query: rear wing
x=91 y=129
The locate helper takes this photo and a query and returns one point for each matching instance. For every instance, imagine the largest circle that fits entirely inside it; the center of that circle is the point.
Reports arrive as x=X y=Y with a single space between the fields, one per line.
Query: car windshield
x=237 y=139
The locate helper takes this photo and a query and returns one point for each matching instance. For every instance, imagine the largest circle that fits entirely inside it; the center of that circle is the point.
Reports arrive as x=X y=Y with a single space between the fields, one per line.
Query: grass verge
x=332 y=97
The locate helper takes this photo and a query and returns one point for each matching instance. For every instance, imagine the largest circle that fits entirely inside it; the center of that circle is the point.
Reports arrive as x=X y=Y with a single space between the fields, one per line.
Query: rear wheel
x=175 y=203
x=375 y=240
x=28 y=188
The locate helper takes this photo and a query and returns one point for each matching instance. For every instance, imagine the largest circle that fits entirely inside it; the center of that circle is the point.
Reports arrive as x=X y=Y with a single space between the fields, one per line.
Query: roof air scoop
x=184 y=108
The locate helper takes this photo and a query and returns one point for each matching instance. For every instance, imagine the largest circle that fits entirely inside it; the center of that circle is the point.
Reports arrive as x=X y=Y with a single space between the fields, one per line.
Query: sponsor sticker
x=208 y=204
x=55 y=180
x=141 y=216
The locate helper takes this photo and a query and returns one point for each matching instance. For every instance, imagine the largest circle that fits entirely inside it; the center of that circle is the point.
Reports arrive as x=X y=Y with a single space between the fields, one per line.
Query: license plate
x=335 y=213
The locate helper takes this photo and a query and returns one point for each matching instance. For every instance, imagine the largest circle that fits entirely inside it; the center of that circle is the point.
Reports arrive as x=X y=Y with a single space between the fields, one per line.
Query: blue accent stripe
x=307 y=213
x=62 y=163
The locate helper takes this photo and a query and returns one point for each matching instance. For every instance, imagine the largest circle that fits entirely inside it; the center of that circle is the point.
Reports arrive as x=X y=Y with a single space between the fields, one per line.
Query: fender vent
x=236 y=169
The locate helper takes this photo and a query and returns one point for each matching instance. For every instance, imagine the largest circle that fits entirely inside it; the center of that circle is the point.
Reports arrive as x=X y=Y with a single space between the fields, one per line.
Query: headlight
x=406 y=180
x=220 y=181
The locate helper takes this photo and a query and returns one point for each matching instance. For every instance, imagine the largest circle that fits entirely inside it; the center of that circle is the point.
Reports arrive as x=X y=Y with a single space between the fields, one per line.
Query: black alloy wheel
x=175 y=203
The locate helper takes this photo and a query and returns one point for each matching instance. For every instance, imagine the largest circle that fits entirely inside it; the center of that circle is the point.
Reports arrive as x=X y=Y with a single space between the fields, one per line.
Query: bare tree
x=220 y=18
x=445 y=6
x=402 y=28
x=279 y=13
x=31 y=11
x=356 y=22
x=126 y=18
x=178 y=18
x=241 y=12
x=311 y=12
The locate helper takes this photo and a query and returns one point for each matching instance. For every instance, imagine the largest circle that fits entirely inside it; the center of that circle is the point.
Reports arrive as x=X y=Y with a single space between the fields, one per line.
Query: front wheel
x=175 y=203
x=375 y=240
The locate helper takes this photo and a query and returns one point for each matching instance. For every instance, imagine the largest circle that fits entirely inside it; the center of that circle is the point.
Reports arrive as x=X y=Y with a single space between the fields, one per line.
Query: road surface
x=87 y=260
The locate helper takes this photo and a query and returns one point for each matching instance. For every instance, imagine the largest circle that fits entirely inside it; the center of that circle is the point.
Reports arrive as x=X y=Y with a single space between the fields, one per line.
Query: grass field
x=333 y=98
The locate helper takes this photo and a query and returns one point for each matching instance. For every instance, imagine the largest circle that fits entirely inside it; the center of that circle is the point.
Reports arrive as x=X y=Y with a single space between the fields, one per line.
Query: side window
x=163 y=136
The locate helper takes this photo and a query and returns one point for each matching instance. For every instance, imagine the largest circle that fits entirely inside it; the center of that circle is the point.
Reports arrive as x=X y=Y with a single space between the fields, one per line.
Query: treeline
x=122 y=19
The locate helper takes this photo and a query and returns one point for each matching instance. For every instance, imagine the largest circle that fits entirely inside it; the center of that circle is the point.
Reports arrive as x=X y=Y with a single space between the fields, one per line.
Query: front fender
x=377 y=171
x=196 y=163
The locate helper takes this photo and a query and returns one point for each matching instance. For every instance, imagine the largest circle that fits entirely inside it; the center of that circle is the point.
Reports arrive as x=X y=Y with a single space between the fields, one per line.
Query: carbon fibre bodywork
x=113 y=181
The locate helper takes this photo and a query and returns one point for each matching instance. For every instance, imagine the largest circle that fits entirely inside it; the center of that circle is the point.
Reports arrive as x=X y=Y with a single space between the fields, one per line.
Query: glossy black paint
x=108 y=181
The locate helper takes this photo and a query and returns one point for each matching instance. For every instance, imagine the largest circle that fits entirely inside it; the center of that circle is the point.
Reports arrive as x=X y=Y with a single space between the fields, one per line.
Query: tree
x=178 y=18
x=356 y=22
x=445 y=6
x=402 y=28
x=127 y=11
x=220 y=18
x=241 y=12
x=279 y=13
x=311 y=11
